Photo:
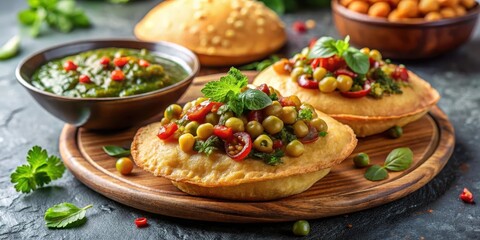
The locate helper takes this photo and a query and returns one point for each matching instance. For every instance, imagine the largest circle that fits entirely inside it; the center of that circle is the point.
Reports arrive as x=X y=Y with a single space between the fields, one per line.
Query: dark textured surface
x=433 y=212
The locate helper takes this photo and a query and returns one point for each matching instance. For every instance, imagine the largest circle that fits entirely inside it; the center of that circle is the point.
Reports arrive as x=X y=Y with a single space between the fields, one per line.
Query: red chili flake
x=299 y=27
x=84 y=79
x=69 y=66
x=141 y=222
x=466 y=196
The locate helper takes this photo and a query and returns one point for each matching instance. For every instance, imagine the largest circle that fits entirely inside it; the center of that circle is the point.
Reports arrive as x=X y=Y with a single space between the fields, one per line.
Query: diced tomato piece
x=332 y=63
x=166 y=131
x=105 y=60
x=84 y=79
x=243 y=140
x=315 y=63
x=307 y=83
x=199 y=112
x=344 y=71
x=264 y=88
x=299 y=27
x=256 y=115
x=466 y=196
x=223 y=132
x=277 y=144
x=69 y=66
x=373 y=63
x=143 y=63
x=141 y=222
x=358 y=94
x=400 y=73
x=117 y=75
x=121 y=61
x=282 y=66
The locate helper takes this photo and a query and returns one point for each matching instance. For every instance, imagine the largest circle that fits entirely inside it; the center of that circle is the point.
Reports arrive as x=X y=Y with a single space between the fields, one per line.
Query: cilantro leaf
x=213 y=143
x=41 y=170
x=65 y=215
x=254 y=99
x=272 y=159
x=227 y=87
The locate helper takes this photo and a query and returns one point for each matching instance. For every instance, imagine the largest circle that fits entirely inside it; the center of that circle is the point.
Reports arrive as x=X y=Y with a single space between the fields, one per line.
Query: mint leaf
x=376 y=173
x=228 y=86
x=65 y=215
x=115 y=151
x=254 y=99
x=399 y=159
x=323 y=48
x=356 y=60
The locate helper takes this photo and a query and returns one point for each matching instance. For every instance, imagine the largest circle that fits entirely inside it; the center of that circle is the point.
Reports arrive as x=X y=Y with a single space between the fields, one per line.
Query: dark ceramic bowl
x=112 y=112
x=414 y=39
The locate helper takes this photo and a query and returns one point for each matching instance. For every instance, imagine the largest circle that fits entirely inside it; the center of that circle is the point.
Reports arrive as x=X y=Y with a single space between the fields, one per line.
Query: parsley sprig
x=40 y=170
x=272 y=159
x=327 y=46
x=213 y=143
x=229 y=90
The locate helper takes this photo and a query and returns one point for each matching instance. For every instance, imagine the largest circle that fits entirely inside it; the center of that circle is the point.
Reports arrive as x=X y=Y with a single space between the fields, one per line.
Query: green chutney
x=107 y=72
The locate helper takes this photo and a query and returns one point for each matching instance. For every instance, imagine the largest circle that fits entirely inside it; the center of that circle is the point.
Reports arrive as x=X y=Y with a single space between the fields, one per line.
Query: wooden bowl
x=111 y=112
x=404 y=40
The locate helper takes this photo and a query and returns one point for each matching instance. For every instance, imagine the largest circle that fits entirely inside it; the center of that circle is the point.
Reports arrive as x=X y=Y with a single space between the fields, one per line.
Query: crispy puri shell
x=257 y=191
x=366 y=116
x=218 y=170
x=221 y=32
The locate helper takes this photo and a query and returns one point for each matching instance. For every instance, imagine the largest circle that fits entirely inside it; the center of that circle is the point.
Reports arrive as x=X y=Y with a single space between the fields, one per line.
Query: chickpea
x=165 y=121
x=365 y=50
x=460 y=11
x=394 y=16
x=187 y=106
x=295 y=101
x=426 y=6
x=279 y=66
x=295 y=148
x=186 y=142
x=300 y=129
x=273 y=110
x=468 y=3
x=236 y=124
x=433 y=16
x=212 y=118
x=358 y=6
x=447 y=12
x=376 y=55
x=263 y=143
x=272 y=124
x=319 y=124
x=328 y=85
x=173 y=112
x=394 y=3
x=407 y=8
x=296 y=73
x=200 y=100
x=345 y=3
x=205 y=130
x=191 y=127
x=319 y=73
x=448 y=3
x=379 y=9
x=254 y=128
x=344 y=83
x=288 y=115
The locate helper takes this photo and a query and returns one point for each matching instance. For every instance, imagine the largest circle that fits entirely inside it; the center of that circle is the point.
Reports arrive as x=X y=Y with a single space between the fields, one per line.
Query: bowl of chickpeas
x=407 y=29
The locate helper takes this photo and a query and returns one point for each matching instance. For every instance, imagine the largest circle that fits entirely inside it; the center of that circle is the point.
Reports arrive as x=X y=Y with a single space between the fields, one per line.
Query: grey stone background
x=433 y=212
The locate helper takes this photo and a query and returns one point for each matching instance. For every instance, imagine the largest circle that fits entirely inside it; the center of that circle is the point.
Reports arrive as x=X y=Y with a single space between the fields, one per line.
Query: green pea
x=236 y=124
x=395 y=132
x=296 y=72
x=212 y=118
x=361 y=160
x=191 y=128
x=301 y=228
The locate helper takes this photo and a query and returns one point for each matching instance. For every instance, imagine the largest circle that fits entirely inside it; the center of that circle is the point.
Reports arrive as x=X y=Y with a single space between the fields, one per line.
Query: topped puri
x=220 y=32
x=356 y=87
x=243 y=143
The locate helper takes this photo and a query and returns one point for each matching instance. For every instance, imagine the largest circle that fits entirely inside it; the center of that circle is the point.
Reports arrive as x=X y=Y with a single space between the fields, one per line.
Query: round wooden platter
x=344 y=190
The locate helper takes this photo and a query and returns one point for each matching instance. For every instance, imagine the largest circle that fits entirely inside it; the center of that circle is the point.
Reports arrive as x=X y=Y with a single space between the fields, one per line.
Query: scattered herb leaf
x=305 y=114
x=322 y=134
x=399 y=159
x=213 y=143
x=273 y=159
x=376 y=173
x=65 y=215
x=10 y=48
x=262 y=65
x=40 y=170
x=116 y=151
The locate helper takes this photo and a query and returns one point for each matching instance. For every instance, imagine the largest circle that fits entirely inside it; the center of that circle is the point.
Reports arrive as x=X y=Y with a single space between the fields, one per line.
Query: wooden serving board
x=344 y=190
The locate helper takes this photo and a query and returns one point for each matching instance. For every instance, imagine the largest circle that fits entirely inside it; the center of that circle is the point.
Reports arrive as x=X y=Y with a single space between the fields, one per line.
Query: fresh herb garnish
x=40 y=170
x=305 y=114
x=229 y=91
x=213 y=143
x=327 y=46
x=387 y=83
x=10 y=48
x=376 y=173
x=116 y=151
x=322 y=134
x=62 y=15
x=286 y=134
x=397 y=160
x=262 y=65
x=65 y=215
x=273 y=159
